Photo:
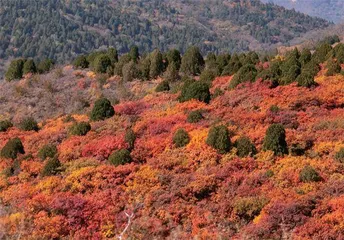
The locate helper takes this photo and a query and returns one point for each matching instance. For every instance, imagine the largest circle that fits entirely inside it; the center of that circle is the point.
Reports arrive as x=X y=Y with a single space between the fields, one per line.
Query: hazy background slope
x=332 y=10
x=61 y=29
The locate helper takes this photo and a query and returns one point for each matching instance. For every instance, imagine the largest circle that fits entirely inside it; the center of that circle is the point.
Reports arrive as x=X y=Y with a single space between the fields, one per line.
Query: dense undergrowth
x=260 y=158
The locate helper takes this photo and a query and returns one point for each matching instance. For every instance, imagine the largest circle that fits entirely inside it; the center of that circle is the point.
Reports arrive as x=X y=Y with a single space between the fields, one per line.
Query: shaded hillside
x=61 y=29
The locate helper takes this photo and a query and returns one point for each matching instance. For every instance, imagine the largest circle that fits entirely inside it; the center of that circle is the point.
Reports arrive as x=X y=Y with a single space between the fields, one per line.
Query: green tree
x=195 y=116
x=45 y=66
x=4 y=125
x=51 y=167
x=15 y=70
x=245 y=147
x=222 y=61
x=173 y=56
x=81 y=62
x=102 y=110
x=123 y=60
x=129 y=72
x=233 y=66
x=79 y=129
x=113 y=55
x=163 y=87
x=305 y=79
x=28 y=124
x=339 y=156
x=218 y=138
x=144 y=67
x=156 y=64
x=47 y=151
x=12 y=148
x=130 y=138
x=275 y=139
x=195 y=90
x=309 y=174
x=192 y=61
x=207 y=76
x=101 y=63
x=134 y=53
x=171 y=73
x=247 y=73
x=305 y=56
x=29 y=67
x=181 y=138
x=120 y=157
x=333 y=67
x=321 y=52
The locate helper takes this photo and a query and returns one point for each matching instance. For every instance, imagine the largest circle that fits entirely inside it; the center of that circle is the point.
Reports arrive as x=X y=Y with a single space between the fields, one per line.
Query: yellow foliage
x=145 y=180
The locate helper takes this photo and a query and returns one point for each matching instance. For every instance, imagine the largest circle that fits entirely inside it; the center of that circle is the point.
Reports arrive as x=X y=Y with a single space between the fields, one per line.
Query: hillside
x=256 y=153
x=332 y=10
x=64 y=29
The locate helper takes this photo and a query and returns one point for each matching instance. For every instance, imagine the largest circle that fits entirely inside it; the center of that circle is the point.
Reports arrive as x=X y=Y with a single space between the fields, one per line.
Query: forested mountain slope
x=61 y=29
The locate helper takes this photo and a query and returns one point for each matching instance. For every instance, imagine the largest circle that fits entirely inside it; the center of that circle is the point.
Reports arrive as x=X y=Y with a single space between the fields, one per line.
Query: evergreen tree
x=305 y=56
x=305 y=79
x=15 y=70
x=195 y=90
x=247 y=73
x=81 y=62
x=12 y=148
x=156 y=64
x=275 y=140
x=134 y=53
x=218 y=138
x=333 y=67
x=101 y=63
x=181 y=138
x=29 y=67
x=192 y=61
x=102 y=110
x=144 y=68
x=113 y=55
x=163 y=87
x=129 y=71
x=245 y=147
x=171 y=73
x=28 y=124
x=51 y=167
x=173 y=56
x=233 y=66
x=45 y=65
x=120 y=157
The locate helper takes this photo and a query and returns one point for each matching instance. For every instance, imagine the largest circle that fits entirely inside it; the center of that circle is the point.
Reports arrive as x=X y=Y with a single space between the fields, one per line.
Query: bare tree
x=130 y=217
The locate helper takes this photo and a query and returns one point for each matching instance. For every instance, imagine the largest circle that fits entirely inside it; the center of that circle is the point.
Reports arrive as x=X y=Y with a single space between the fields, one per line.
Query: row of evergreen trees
x=295 y=66
x=20 y=67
